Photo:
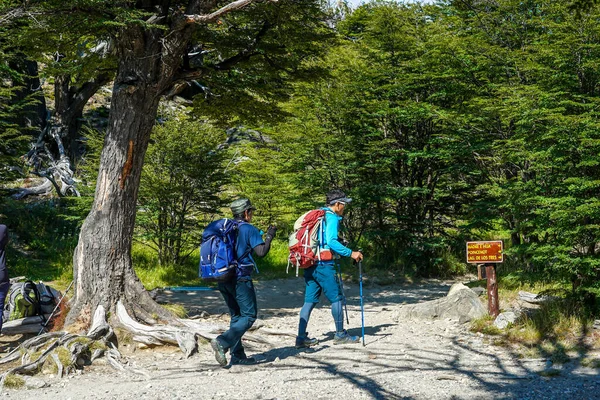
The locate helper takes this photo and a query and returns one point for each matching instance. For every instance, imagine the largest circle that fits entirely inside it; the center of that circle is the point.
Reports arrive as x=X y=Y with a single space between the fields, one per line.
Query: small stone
x=35 y=383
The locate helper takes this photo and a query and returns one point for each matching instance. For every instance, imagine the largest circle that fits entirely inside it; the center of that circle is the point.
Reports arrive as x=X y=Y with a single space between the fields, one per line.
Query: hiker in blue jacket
x=322 y=277
x=4 y=282
x=239 y=293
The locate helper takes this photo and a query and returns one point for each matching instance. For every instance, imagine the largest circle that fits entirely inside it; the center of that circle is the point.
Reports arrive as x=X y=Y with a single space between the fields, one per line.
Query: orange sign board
x=484 y=252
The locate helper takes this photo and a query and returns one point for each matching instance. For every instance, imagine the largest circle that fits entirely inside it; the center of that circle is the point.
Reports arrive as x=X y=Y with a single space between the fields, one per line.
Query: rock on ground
x=460 y=304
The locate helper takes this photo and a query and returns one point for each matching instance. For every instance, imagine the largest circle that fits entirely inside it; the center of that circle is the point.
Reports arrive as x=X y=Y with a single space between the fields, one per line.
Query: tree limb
x=236 y=5
x=247 y=52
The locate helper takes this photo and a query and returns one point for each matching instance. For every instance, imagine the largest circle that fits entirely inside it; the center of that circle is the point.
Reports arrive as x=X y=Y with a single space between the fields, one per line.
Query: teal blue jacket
x=331 y=227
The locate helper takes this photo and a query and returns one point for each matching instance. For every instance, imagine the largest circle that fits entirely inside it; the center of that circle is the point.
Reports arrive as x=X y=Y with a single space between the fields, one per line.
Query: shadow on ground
x=282 y=297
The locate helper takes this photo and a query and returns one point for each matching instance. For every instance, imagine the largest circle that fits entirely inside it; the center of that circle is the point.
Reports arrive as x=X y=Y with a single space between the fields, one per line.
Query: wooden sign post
x=488 y=253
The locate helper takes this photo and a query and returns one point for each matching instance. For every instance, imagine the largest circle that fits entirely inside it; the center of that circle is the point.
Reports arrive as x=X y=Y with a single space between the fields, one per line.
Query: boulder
x=504 y=319
x=461 y=304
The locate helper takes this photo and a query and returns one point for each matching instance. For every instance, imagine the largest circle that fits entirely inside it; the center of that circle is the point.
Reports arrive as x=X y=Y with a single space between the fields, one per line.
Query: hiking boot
x=243 y=360
x=344 y=337
x=303 y=342
x=219 y=352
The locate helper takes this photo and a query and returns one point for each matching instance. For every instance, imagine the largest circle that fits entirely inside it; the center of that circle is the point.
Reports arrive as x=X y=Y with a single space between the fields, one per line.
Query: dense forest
x=448 y=122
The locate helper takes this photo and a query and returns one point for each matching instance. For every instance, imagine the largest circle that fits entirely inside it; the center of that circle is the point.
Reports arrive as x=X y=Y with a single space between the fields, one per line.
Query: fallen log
x=22 y=326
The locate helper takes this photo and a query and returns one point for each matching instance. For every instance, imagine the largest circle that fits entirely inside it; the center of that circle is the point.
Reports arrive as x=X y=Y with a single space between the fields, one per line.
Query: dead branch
x=233 y=6
x=57 y=173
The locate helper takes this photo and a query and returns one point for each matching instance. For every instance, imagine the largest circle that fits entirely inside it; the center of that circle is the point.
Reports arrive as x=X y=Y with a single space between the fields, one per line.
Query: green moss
x=35 y=355
x=14 y=382
x=83 y=340
x=64 y=356
x=49 y=366
x=97 y=345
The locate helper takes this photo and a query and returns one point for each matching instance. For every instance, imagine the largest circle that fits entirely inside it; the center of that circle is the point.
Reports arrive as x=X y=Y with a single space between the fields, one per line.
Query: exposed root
x=156 y=335
x=68 y=352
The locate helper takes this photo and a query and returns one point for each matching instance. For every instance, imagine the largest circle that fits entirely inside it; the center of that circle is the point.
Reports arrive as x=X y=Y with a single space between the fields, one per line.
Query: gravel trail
x=402 y=359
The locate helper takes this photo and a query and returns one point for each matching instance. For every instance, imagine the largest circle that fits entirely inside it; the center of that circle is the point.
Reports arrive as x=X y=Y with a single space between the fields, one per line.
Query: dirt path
x=401 y=359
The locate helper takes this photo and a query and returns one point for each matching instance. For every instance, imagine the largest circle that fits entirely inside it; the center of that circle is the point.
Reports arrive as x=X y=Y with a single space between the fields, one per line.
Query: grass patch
x=274 y=264
x=64 y=356
x=97 y=345
x=153 y=275
x=553 y=330
x=14 y=382
x=176 y=309
x=485 y=325
x=549 y=372
x=590 y=362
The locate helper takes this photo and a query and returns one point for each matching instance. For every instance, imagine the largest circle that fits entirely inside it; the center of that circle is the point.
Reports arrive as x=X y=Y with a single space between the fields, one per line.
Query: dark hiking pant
x=3 y=292
x=240 y=297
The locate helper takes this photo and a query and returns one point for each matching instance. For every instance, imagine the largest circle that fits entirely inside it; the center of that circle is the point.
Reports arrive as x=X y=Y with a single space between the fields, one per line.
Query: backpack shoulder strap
x=29 y=286
x=14 y=291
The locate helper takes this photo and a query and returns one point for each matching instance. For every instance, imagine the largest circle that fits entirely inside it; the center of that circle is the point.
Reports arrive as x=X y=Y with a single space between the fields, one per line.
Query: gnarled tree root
x=185 y=335
x=68 y=352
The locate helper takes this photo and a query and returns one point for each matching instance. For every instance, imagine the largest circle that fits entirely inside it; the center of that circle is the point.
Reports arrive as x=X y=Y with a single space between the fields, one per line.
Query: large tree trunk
x=103 y=269
x=148 y=60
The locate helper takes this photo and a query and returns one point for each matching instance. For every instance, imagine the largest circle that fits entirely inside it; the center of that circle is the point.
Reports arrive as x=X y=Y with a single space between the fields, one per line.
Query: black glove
x=271 y=232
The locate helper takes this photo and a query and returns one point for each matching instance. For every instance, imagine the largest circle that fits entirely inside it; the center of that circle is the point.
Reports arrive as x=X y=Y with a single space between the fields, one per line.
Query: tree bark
x=102 y=264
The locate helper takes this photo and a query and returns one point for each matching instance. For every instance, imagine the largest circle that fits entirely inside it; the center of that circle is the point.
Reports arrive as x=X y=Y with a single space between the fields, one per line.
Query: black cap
x=337 y=196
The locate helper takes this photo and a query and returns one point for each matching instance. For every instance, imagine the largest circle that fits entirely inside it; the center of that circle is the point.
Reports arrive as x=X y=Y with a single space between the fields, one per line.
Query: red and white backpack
x=305 y=248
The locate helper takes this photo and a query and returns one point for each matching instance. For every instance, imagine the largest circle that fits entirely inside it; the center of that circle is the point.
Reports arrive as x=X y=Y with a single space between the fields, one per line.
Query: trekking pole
x=362 y=309
x=55 y=308
x=345 y=303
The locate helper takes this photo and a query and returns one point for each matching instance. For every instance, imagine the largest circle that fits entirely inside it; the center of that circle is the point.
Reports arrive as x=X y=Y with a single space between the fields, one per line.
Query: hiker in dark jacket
x=239 y=293
x=4 y=283
x=322 y=277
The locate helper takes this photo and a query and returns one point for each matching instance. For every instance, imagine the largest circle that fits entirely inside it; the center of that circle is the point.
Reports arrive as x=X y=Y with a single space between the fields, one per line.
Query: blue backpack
x=217 y=250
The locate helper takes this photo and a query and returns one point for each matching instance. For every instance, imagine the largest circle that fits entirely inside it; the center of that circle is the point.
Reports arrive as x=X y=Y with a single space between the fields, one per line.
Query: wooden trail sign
x=489 y=253
x=484 y=252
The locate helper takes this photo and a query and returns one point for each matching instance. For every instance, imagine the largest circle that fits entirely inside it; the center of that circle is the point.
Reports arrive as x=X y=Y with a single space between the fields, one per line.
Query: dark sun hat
x=241 y=205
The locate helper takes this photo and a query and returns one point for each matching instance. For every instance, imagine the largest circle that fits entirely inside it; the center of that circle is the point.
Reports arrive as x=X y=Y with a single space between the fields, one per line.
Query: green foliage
x=152 y=274
x=457 y=121
x=540 y=119
x=179 y=192
x=383 y=126
x=14 y=137
x=43 y=236
x=256 y=55
x=273 y=265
